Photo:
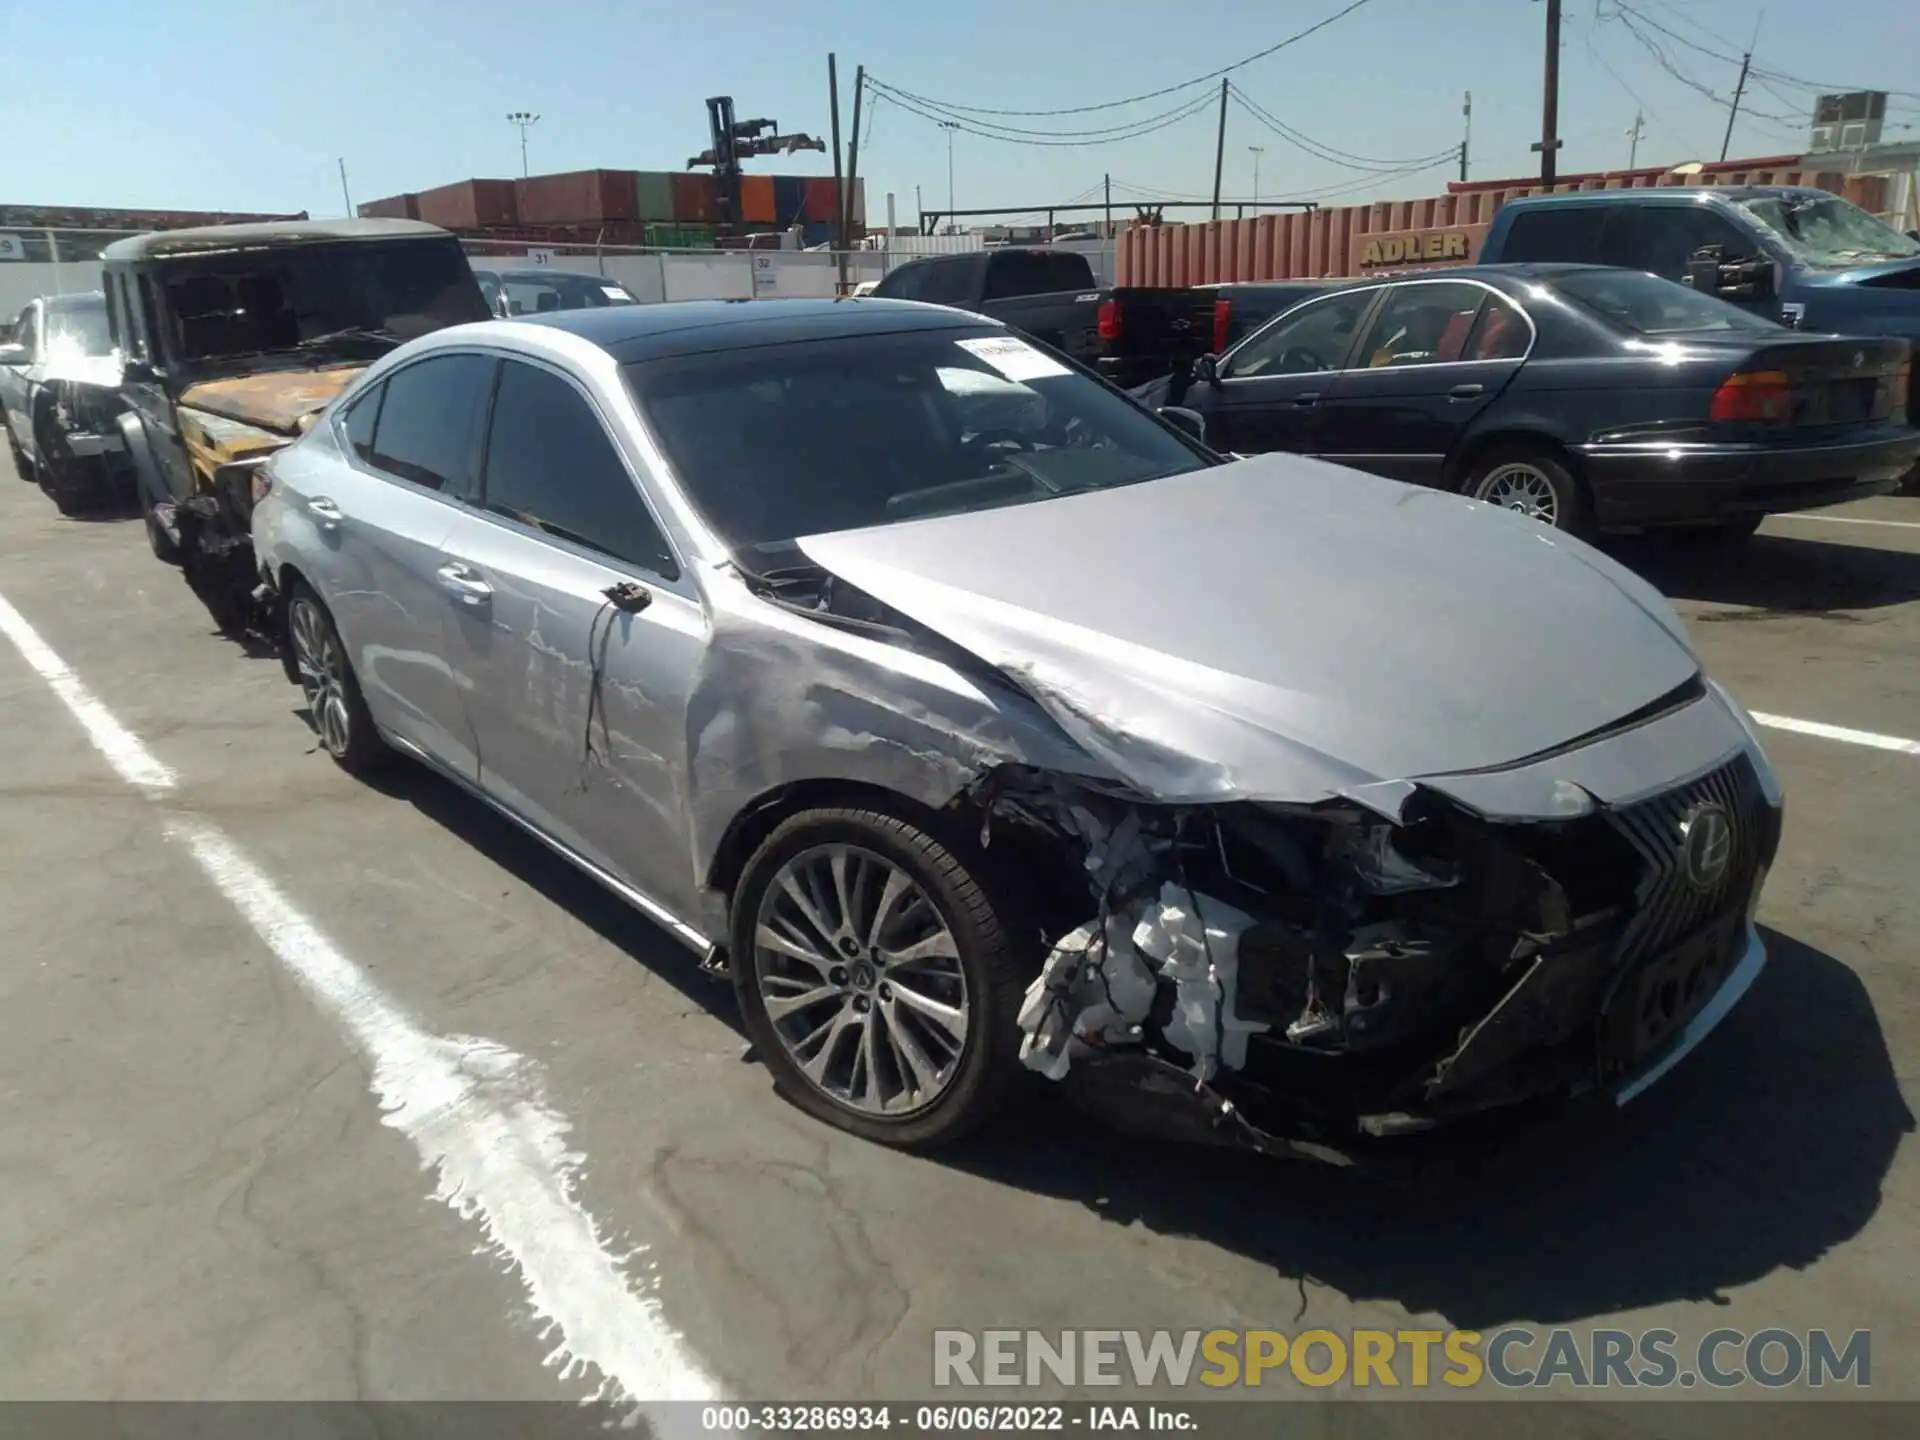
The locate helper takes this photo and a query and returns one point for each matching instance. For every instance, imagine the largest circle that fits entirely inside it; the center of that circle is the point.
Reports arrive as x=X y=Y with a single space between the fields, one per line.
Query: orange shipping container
x=756 y=199
x=822 y=200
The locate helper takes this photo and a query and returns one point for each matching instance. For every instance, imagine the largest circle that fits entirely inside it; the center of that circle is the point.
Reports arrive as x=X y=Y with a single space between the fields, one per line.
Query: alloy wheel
x=1520 y=486
x=861 y=980
x=322 y=671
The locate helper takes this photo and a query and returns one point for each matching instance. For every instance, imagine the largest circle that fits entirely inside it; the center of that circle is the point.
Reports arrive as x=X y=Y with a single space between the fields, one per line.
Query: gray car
x=977 y=720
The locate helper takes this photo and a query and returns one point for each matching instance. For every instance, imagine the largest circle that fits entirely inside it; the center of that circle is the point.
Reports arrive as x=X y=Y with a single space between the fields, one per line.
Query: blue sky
x=238 y=104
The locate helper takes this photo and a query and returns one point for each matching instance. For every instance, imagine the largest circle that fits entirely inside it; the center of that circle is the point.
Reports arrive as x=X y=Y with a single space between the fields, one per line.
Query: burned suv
x=235 y=337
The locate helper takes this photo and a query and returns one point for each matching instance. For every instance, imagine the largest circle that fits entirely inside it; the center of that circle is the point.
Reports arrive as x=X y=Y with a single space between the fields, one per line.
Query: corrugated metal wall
x=1330 y=242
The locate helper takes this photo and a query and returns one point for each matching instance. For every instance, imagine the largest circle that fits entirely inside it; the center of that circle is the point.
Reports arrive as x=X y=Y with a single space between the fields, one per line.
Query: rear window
x=1570 y=235
x=1036 y=272
x=1647 y=305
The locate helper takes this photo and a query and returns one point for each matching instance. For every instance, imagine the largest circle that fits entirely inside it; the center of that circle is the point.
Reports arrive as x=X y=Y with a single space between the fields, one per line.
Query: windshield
x=536 y=294
x=800 y=439
x=77 y=325
x=1647 y=305
x=348 y=300
x=1827 y=230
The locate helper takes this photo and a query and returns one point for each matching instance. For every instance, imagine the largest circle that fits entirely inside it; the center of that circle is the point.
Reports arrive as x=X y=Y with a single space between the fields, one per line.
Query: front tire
x=1532 y=480
x=876 y=976
x=162 y=544
x=332 y=691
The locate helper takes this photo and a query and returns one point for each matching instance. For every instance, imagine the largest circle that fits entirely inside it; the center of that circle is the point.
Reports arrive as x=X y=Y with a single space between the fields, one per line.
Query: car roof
x=682 y=327
x=75 y=299
x=1694 y=193
x=212 y=239
x=537 y=273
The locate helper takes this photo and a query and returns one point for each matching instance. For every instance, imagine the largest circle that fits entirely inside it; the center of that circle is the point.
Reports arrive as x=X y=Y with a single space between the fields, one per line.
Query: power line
x=1205 y=102
x=1621 y=8
x=1322 y=151
x=1012 y=132
x=1293 y=39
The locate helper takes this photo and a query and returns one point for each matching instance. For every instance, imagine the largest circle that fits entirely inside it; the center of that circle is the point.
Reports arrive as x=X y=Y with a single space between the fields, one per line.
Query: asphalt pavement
x=254 y=1014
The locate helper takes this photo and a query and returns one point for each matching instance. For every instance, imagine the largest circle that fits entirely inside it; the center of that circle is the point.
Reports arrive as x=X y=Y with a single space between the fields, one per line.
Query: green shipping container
x=681 y=237
x=655 y=192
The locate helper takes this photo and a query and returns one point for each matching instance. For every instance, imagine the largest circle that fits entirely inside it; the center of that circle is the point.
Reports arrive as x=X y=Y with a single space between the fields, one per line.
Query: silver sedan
x=978 y=721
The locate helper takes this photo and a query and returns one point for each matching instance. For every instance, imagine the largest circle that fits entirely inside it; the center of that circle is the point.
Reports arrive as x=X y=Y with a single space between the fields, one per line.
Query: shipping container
x=680 y=237
x=392 y=207
x=818 y=232
x=576 y=197
x=694 y=198
x=470 y=205
x=756 y=199
x=653 y=195
x=789 y=199
x=822 y=202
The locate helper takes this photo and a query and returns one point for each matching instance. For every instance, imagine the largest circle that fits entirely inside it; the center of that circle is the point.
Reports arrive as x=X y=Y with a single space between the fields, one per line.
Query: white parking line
x=474 y=1110
x=1839 y=732
x=1849 y=520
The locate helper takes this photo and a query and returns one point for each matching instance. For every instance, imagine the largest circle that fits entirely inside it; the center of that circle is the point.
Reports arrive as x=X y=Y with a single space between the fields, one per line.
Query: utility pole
x=853 y=160
x=525 y=119
x=1466 y=138
x=919 y=212
x=343 y=187
x=1733 y=114
x=1256 y=151
x=1639 y=128
x=839 y=190
x=950 y=126
x=1550 y=99
x=1220 y=149
x=1106 y=186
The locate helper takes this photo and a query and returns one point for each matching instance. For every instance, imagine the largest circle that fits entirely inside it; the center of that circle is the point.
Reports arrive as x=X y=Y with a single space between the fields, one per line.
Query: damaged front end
x=1301 y=979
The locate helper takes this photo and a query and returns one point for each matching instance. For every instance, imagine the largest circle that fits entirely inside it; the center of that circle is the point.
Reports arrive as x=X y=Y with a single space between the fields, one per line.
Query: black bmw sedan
x=1588 y=397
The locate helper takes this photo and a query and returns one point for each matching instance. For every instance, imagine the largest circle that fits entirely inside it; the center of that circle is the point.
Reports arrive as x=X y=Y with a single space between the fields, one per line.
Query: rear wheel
x=331 y=689
x=161 y=543
x=876 y=976
x=22 y=466
x=1532 y=480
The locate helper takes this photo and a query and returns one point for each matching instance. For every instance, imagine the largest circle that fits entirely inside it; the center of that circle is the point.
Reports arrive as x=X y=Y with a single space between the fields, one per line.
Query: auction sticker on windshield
x=1013 y=358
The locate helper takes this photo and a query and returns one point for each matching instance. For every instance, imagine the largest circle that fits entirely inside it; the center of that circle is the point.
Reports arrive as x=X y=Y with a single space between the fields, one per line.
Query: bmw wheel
x=876 y=976
x=327 y=681
x=1532 y=481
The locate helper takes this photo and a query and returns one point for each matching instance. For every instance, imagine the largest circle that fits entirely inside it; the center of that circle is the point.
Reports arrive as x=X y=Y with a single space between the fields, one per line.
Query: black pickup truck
x=1130 y=335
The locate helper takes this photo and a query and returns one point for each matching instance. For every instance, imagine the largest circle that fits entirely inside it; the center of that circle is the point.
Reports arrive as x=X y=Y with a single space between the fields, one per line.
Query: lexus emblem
x=1706 y=846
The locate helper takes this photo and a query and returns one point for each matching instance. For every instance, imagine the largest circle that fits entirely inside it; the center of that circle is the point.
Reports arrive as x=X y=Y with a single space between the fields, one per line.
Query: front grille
x=1670 y=907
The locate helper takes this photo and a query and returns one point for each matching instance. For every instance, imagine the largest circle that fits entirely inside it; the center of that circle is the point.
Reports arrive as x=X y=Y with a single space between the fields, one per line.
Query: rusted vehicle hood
x=280 y=402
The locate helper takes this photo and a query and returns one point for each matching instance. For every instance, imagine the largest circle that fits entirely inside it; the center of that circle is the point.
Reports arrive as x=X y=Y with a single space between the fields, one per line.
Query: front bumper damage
x=213 y=535
x=1310 y=980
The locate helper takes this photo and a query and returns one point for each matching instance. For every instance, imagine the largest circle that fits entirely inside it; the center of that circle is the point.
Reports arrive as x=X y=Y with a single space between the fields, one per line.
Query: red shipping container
x=470 y=205
x=822 y=199
x=756 y=199
x=392 y=207
x=577 y=197
x=694 y=198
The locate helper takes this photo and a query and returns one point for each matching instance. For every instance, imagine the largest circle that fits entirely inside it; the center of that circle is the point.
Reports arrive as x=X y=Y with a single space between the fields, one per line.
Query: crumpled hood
x=100 y=370
x=1283 y=629
x=283 y=402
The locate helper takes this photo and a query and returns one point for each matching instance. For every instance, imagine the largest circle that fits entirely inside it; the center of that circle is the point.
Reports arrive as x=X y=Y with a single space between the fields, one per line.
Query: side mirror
x=137 y=372
x=1711 y=272
x=1191 y=423
x=13 y=354
x=1206 y=370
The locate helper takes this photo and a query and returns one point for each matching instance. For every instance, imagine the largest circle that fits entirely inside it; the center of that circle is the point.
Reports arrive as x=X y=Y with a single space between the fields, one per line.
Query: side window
x=27 y=333
x=1036 y=272
x=552 y=465
x=1569 y=235
x=1501 y=333
x=1315 y=337
x=903 y=284
x=149 y=321
x=427 y=428
x=1423 y=324
x=361 y=420
x=946 y=282
x=1663 y=236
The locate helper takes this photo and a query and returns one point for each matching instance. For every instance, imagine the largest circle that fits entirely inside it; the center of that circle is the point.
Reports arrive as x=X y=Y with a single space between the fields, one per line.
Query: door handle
x=1307 y=401
x=325 y=513
x=1466 y=392
x=464 y=584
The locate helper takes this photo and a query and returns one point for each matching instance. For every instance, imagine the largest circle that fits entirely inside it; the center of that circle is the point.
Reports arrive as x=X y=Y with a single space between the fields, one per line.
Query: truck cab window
x=1663 y=236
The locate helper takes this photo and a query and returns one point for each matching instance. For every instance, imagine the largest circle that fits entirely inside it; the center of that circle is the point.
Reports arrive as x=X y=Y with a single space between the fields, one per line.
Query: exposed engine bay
x=1296 y=978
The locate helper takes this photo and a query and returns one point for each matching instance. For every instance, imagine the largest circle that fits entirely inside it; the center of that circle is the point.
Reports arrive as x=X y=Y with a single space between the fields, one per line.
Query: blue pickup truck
x=1806 y=258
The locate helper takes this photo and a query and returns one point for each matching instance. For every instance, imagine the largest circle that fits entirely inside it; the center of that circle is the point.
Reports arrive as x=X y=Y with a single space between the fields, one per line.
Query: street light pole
x=1256 y=151
x=950 y=126
x=525 y=119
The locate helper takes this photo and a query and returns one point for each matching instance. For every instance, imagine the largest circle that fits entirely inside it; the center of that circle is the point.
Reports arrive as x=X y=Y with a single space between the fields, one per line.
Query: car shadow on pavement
x=1773 y=574
x=1764 y=1149
x=530 y=862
